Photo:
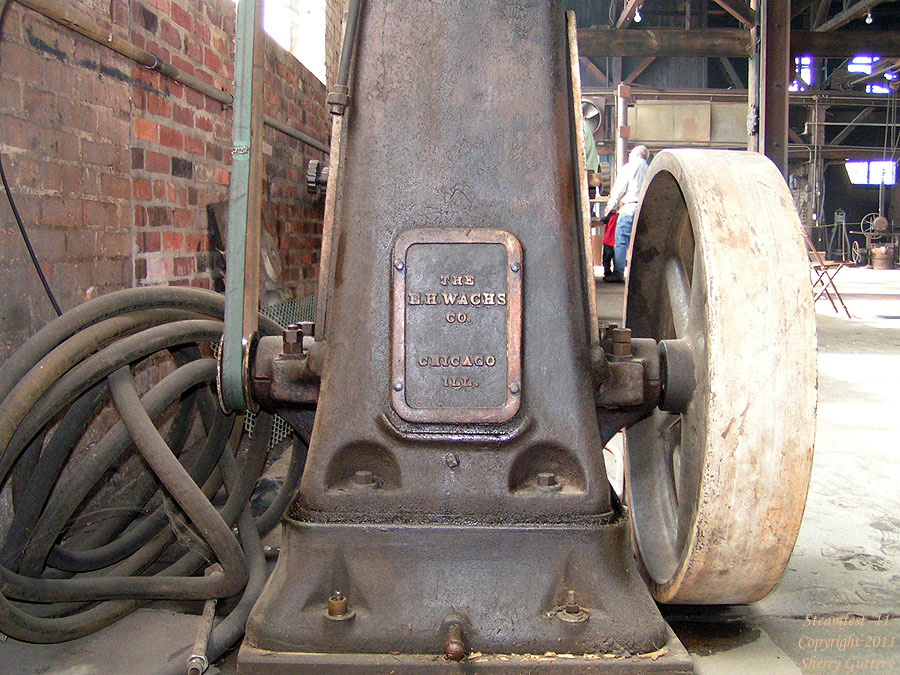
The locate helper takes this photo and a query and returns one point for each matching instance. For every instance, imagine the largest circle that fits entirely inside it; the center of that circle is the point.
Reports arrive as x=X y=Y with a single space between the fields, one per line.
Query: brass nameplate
x=457 y=326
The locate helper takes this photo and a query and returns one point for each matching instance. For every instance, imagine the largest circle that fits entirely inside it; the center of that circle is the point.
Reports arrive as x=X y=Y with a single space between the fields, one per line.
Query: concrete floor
x=837 y=610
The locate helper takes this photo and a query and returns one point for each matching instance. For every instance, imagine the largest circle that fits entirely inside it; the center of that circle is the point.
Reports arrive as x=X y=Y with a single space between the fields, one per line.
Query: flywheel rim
x=711 y=522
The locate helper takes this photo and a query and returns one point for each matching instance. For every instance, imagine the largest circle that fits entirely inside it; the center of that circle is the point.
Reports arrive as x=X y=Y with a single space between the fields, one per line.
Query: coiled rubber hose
x=120 y=478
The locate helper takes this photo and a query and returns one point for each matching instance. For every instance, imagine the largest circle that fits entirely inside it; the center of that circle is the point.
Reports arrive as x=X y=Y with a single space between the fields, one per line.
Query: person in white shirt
x=624 y=198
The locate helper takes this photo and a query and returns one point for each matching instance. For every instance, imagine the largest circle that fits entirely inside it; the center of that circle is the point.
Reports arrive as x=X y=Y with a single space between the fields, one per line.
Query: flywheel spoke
x=678 y=290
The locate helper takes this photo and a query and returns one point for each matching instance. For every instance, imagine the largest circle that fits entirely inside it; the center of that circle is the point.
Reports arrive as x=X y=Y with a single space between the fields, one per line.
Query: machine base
x=506 y=585
x=673 y=658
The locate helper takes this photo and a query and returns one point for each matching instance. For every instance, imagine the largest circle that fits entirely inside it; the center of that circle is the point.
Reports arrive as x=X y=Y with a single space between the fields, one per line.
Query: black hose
x=71 y=583
x=118 y=303
x=272 y=515
x=145 y=485
x=96 y=461
x=90 y=371
x=46 y=473
x=230 y=630
x=142 y=529
x=32 y=385
x=204 y=517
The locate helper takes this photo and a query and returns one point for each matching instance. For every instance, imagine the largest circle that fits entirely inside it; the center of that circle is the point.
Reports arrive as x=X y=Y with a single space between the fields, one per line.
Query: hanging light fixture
x=869 y=18
x=637 y=15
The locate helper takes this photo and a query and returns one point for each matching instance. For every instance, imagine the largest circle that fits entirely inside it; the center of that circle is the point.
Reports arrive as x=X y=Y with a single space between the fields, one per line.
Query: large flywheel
x=717 y=476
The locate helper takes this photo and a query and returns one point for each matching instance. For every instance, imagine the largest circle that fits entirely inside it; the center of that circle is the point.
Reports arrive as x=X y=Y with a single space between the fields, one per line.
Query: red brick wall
x=180 y=137
x=293 y=217
x=112 y=165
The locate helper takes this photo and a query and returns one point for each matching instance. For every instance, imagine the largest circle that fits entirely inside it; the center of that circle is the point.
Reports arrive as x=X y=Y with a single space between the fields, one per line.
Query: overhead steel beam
x=625 y=18
x=640 y=69
x=842 y=44
x=854 y=11
x=731 y=73
x=592 y=67
x=740 y=10
x=839 y=152
x=799 y=6
x=664 y=42
x=819 y=12
x=878 y=71
x=730 y=42
x=847 y=130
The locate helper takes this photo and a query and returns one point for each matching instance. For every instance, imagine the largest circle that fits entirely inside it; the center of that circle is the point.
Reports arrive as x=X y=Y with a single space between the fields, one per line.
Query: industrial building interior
x=236 y=437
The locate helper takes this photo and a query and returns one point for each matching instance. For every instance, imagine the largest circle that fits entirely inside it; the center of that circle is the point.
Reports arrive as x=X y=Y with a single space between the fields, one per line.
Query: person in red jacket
x=609 y=242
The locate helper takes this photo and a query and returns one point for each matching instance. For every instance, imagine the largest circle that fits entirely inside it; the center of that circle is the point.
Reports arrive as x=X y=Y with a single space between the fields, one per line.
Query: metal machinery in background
x=454 y=502
x=454 y=498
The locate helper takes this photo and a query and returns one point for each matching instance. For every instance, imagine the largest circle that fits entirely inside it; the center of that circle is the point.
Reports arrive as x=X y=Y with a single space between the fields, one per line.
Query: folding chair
x=824 y=271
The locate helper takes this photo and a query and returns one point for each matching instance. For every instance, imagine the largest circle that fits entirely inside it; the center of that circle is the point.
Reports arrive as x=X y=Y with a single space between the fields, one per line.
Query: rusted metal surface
x=416 y=500
x=282 y=373
x=405 y=602
x=582 y=194
x=457 y=326
x=672 y=658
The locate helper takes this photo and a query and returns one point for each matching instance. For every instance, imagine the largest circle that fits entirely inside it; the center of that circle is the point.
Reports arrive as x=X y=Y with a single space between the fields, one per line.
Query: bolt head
x=337 y=604
x=398 y=385
x=572 y=606
x=546 y=479
x=364 y=478
x=621 y=334
x=514 y=388
x=451 y=460
x=292 y=339
x=455 y=650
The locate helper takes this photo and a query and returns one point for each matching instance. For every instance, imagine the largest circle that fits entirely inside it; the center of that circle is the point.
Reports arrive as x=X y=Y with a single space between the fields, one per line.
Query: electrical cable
x=12 y=202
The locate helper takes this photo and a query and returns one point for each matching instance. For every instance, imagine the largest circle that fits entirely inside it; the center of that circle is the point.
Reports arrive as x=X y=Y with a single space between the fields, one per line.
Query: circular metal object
x=248 y=348
x=677 y=368
x=858 y=254
x=716 y=491
x=593 y=116
x=338 y=609
x=572 y=612
x=316 y=177
x=867 y=224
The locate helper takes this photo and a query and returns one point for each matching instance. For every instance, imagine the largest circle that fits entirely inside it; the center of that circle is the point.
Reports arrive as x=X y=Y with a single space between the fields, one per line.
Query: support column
x=623 y=132
x=753 y=93
x=774 y=79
